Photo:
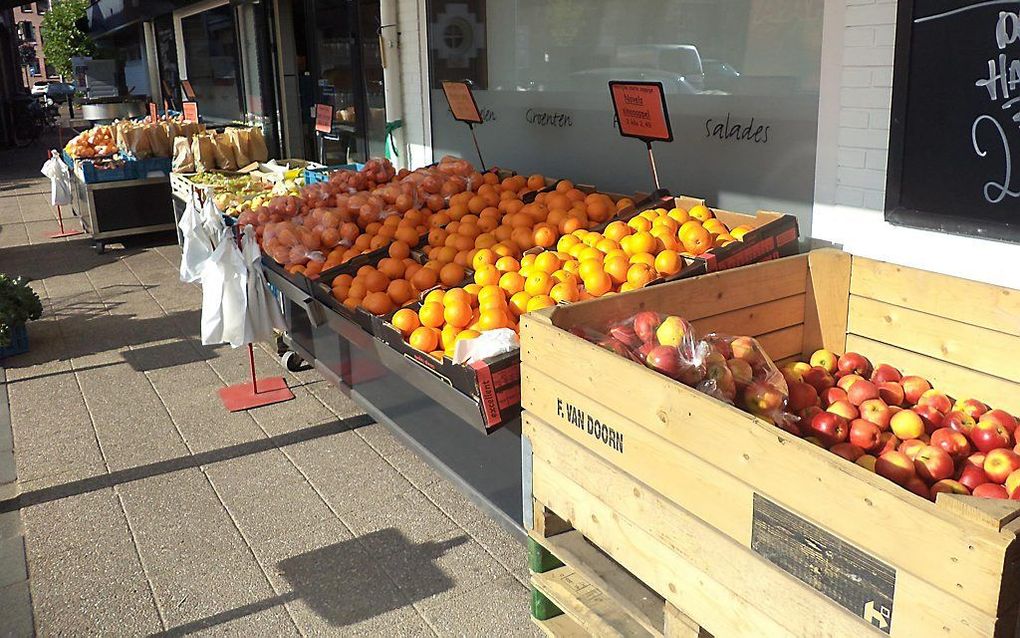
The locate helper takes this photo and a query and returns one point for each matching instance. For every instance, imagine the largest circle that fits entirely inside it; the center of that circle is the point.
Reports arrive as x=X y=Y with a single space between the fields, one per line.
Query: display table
x=122 y=208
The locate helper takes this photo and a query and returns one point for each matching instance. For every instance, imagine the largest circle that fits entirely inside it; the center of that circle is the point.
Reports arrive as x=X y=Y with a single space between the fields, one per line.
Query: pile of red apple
x=902 y=429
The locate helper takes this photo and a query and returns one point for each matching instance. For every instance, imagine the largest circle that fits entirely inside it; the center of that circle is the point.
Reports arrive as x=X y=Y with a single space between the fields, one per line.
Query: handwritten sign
x=641 y=110
x=190 y=110
x=954 y=138
x=462 y=102
x=189 y=92
x=153 y=112
x=323 y=118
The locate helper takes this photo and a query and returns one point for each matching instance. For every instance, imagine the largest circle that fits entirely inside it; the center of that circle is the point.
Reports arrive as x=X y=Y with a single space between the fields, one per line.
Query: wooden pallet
x=747 y=529
x=597 y=596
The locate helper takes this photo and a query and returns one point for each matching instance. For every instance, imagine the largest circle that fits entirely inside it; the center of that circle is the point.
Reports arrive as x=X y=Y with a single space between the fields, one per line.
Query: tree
x=62 y=35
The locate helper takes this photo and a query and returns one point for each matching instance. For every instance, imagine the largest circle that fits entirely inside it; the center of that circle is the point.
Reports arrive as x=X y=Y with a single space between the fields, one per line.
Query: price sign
x=188 y=91
x=641 y=110
x=462 y=102
x=323 y=118
x=190 y=110
x=153 y=112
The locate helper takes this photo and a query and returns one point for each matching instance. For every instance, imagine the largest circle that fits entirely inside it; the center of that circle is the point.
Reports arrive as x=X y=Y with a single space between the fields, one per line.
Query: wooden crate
x=774 y=535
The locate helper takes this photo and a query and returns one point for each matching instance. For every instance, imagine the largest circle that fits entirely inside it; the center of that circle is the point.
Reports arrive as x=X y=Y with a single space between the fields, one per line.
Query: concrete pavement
x=143 y=507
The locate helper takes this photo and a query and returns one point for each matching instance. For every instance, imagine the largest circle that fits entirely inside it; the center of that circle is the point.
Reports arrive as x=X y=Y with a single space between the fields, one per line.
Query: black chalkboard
x=954 y=144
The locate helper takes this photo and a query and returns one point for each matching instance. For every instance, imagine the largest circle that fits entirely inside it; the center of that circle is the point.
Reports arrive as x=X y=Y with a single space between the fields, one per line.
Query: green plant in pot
x=18 y=304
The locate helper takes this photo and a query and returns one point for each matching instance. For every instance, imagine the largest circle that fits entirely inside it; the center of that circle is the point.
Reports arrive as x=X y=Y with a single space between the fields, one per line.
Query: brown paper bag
x=239 y=140
x=158 y=140
x=184 y=159
x=257 y=150
x=204 y=150
x=224 y=152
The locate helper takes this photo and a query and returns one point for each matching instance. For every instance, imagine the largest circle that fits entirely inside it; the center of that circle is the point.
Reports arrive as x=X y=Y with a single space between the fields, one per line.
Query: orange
x=539 y=302
x=431 y=316
x=739 y=232
x=643 y=258
x=377 y=303
x=342 y=279
x=399 y=250
x=464 y=335
x=491 y=292
x=700 y=212
x=406 y=321
x=571 y=266
x=375 y=281
x=528 y=260
x=519 y=303
x=565 y=292
x=566 y=242
x=589 y=268
x=487 y=276
x=538 y=283
x=457 y=314
x=687 y=228
x=616 y=268
x=512 y=282
x=651 y=213
x=357 y=289
x=352 y=302
x=640 y=224
x=424 y=279
x=545 y=236
x=640 y=274
x=714 y=226
x=561 y=276
x=484 y=257
x=627 y=286
x=457 y=296
x=392 y=268
x=643 y=242
x=507 y=264
x=668 y=262
x=490 y=319
x=598 y=284
x=617 y=231
x=451 y=274
x=679 y=215
x=547 y=262
x=591 y=253
x=697 y=241
x=472 y=292
x=607 y=245
x=424 y=338
x=666 y=222
x=590 y=239
x=400 y=291
x=436 y=296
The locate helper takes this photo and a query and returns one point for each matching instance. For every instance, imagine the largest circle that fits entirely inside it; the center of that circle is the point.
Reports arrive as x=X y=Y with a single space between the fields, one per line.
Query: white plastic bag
x=224 y=293
x=263 y=313
x=489 y=344
x=60 y=180
x=198 y=244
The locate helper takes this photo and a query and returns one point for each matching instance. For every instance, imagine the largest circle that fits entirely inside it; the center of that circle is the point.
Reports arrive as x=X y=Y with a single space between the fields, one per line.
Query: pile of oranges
x=393 y=282
x=495 y=218
x=691 y=232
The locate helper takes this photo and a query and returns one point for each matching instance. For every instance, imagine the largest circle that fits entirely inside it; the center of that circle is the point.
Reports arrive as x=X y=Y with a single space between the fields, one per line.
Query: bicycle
x=31 y=119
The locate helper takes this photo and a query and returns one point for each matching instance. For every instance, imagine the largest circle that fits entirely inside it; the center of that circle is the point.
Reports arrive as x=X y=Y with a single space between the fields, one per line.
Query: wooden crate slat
x=828 y=288
x=761 y=318
x=960 y=343
x=707 y=295
x=864 y=507
x=687 y=561
x=633 y=596
x=953 y=379
x=562 y=626
x=591 y=607
x=970 y=302
x=783 y=343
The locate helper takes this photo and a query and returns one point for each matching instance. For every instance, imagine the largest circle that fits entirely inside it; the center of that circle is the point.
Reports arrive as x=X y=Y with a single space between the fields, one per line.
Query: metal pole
x=651 y=160
x=251 y=362
x=477 y=150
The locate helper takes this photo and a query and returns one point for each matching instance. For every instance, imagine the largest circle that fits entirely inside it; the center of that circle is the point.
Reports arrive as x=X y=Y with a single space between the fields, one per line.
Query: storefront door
x=345 y=71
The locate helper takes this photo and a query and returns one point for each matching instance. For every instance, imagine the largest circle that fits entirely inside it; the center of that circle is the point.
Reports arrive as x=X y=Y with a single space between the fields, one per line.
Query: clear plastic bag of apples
x=734 y=369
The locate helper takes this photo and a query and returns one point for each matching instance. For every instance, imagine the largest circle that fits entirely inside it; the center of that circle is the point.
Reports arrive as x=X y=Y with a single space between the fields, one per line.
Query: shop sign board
x=190 y=110
x=954 y=123
x=189 y=92
x=153 y=111
x=462 y=102
x=323 y=118
x=641 y=110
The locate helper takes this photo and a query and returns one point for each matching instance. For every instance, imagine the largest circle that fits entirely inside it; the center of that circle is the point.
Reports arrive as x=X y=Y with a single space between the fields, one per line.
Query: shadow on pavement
x=44 y=260
x=103 y=481
x=343 y=585
x=167 y=355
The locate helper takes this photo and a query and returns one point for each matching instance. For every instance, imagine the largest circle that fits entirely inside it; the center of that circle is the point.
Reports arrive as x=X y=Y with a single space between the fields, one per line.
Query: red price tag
x=462 y=102
x=153 y=112
x=188 y=91
x=641 y=110
x=323 y=118
x=190 y=110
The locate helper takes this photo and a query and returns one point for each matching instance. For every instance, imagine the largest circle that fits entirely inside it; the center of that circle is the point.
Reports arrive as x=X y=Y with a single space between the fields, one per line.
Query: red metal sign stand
x=258 y=393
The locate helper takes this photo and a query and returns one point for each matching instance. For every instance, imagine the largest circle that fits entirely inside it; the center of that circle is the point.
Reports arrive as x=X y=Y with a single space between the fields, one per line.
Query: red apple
x=1003 y=418
x=818 y=379
x=989 y=435
x=950 y=486
x=862 y=391
x=907 y=425
x=953 y=442
x=644 y=350
x=931 y=417
x=843 y=408
x=885 y=373
x=665 y=359
x=865 y=435
x=801 y=396
x=832 y=395
x=853 y=363
x=896 y=467
x=990 y=490
x=796 y=370
x=937 y=399
x=876 y=411
x=933 y=464
x=814 y=440
x=645 y=325
x=957 y=420
x=746 y=349
x=825 y=359
x=743 y=374
x=626 y=335
x=912 y=447
x=847 y=382
x=829 y=428
x=972 y=476
x=762 y=399
x=977 y=459
x=848 y=451
x=914 y=388
x=1012 y=484
x=919 y=487
x=972 y=407
x=890 y=442
x=891 y=392
x=1000 y=463
x=867 y=461
x=804 y=424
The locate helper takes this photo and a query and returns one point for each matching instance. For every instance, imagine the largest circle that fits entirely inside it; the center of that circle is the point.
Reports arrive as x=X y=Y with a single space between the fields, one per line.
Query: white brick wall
x=414 y=76
x=864 y=99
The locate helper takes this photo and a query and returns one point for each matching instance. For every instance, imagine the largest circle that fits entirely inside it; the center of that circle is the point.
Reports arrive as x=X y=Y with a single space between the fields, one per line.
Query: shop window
x=26 y=31
x=33 y=67
x=42 y=7
x=26 y=8
x=208 y=49
x=741 y=78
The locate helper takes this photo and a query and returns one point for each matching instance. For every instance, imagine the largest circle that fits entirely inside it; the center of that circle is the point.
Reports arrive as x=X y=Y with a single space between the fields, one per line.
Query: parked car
x=597 y=80
x=681 y=59
x=59 y=90
x=39 y=88
x=720 y=75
